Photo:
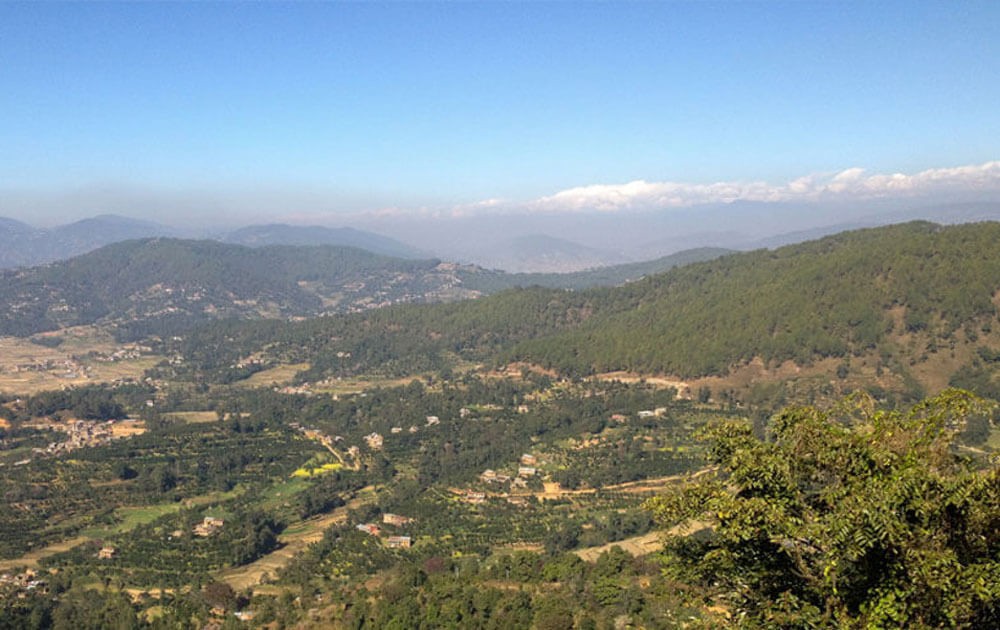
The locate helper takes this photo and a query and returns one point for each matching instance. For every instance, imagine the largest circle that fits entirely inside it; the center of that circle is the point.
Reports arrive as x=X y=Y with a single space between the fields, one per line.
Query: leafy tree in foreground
x=849 y=518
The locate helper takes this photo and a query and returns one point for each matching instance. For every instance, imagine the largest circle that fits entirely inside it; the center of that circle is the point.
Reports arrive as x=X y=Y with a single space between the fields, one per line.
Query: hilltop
x=282 y=234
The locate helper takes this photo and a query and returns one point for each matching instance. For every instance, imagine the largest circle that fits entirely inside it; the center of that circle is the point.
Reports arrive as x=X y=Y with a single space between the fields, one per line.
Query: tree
x=219 y=595
x=853 y=517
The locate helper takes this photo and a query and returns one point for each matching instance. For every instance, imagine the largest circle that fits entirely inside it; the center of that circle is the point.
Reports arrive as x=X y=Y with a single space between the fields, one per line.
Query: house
x=374 y=441
x=526 y=471
x=369 y=528
x=645 y=413
x=660 y=412
x=106 y=553
x=208 y=526
x=528 y=459
x=396 y=520
x=432 y=420
x=518 y=501
x=395 y=430
x=475 y=498
x=399 y=542
x=489 y=475
x=619 y=417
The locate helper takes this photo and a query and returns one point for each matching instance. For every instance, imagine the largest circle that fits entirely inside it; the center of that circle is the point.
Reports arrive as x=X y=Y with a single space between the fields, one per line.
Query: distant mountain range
x=519 y=243
x=582 y=240
x=23 y=246
x=281 y=234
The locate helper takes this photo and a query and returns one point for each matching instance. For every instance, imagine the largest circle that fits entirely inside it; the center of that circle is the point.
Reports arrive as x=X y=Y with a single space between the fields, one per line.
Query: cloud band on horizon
x=848 y=184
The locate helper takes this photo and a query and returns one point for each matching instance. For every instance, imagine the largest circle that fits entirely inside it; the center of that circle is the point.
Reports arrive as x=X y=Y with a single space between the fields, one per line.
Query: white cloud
x=849 y=184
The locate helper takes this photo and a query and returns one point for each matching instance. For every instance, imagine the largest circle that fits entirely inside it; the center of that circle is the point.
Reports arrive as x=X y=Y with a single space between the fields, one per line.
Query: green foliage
x=826 y=298
x=88 y=403
x=853 y=517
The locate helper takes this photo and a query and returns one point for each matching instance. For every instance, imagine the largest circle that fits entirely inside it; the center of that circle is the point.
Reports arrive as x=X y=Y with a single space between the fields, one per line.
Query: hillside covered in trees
x=836 y=296
x=163 y=286
x=159 y=286
x=902 y=296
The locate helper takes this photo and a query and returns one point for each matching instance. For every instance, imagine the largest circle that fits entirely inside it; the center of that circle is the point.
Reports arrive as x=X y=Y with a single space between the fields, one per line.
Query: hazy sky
x=301 y=109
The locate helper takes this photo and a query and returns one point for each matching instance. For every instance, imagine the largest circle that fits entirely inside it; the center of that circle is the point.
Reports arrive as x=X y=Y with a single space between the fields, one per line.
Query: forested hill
x=915 y=287
x=843 y=294
x=162 y=285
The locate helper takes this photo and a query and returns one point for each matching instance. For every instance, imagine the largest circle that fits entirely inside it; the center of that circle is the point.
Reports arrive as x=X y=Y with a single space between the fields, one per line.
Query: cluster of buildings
x=80 y=434
x=208 y=526
x=526 y=469
x=647 y=413
x=302 y=390
x=21 y=584
x=122 y=354
x=376 y=440
x=395 y=520
x=67 y=368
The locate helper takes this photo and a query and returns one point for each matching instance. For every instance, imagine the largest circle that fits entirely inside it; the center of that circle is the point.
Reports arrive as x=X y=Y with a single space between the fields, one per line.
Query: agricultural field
x=72 y=357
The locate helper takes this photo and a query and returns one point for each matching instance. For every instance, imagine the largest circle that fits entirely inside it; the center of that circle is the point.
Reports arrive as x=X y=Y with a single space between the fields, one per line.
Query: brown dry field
x=77 y=342
x=636 y=546
x=552 y=490
x=639 y=545
x=280 y=375
x=193 y=417
x=128 y=429
x=31 y=558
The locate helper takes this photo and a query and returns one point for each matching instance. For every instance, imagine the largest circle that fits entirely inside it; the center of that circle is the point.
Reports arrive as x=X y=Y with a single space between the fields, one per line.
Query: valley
x=510 y=451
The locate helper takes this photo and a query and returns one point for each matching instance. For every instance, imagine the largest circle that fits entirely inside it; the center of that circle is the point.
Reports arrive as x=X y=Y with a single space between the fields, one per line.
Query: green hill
x=839 y=295
x=904 y=294
x=162 y=285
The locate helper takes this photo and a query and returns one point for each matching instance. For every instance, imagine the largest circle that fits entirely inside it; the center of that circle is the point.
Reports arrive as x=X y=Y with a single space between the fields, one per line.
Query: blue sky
x=407 y=105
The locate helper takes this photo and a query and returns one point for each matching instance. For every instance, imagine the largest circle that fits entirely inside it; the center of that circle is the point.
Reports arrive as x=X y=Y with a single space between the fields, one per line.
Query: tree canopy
x=851 y=517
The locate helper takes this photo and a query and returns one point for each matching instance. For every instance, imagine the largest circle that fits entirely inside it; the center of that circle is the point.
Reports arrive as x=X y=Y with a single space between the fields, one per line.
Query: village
x=87 y=433
x=21 y=585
